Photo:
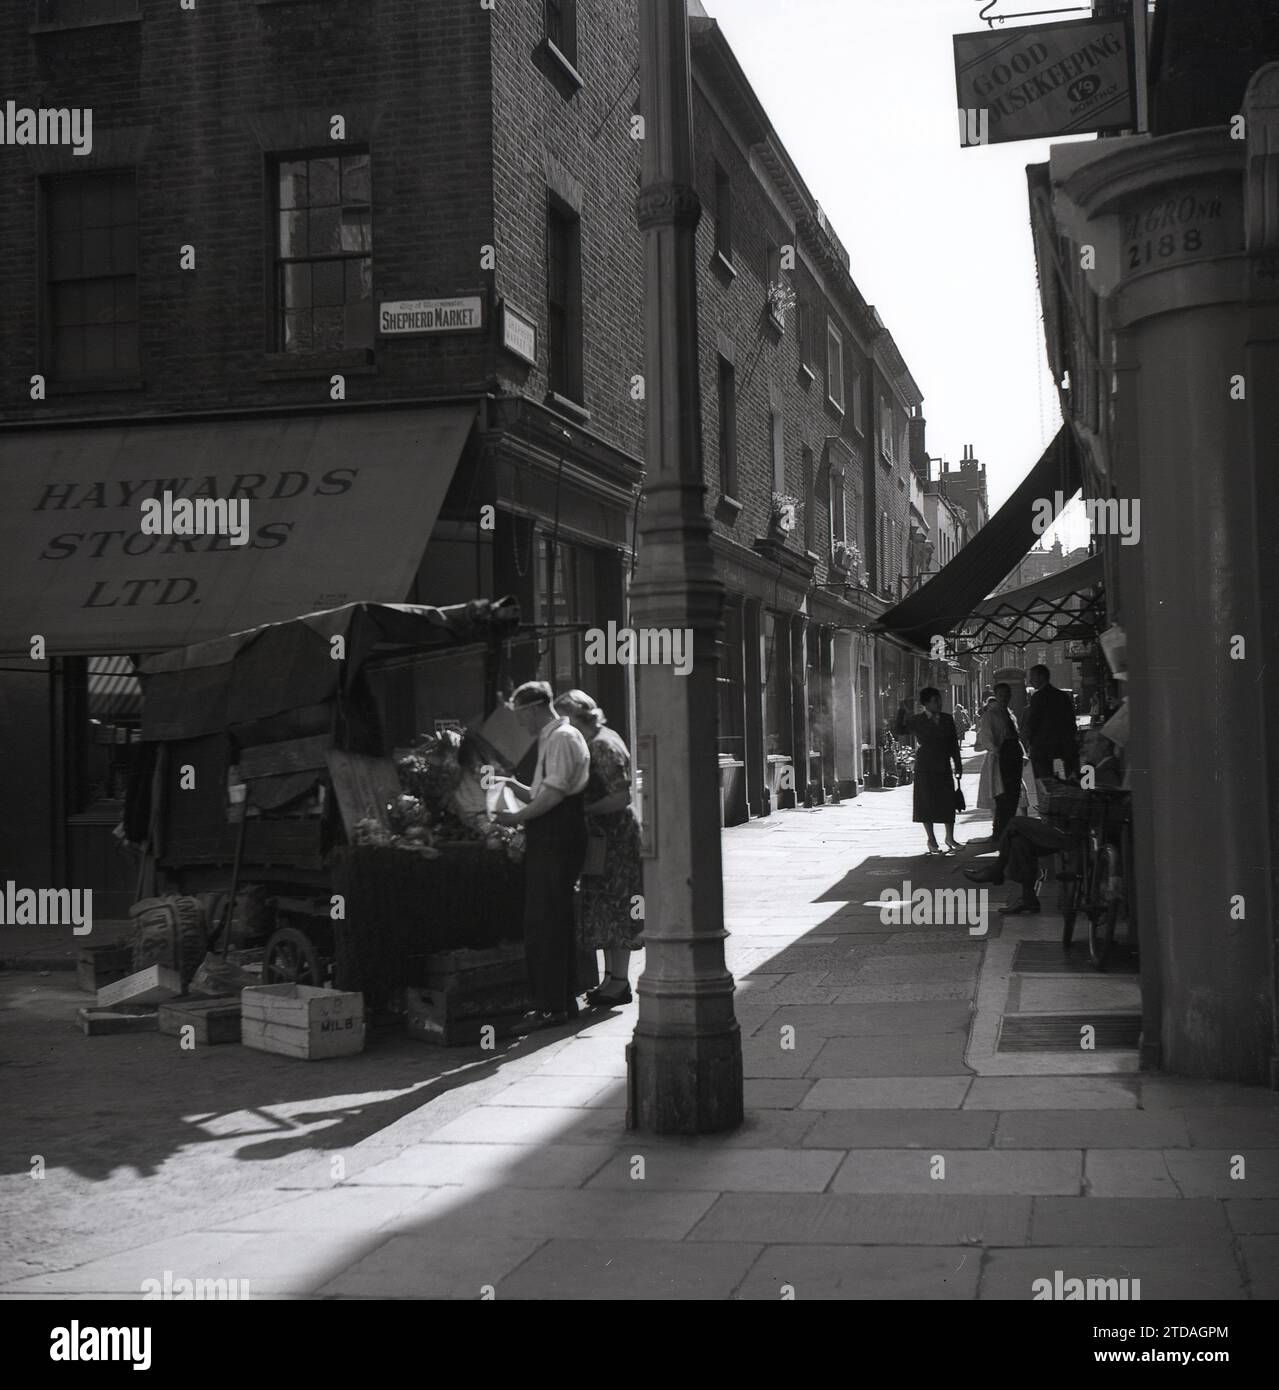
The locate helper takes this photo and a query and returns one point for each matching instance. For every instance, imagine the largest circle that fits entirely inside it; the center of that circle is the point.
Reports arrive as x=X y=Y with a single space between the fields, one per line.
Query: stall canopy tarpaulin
x=253 y=675
x=951 y=596
x=339 y=509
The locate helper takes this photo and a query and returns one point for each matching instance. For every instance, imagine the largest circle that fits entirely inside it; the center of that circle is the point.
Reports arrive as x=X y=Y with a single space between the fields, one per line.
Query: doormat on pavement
x=1064 y=1032
x=1048 y=958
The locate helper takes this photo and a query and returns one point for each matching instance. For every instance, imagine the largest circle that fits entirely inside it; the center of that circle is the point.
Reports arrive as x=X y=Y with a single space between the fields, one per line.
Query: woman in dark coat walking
x=937 y=753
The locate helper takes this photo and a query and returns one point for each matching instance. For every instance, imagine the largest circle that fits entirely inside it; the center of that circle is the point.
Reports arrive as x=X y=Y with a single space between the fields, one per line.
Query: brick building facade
x=197 y=304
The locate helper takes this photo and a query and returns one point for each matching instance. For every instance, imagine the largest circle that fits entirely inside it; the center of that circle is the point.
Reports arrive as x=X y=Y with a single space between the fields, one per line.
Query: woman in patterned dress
x=608 y=917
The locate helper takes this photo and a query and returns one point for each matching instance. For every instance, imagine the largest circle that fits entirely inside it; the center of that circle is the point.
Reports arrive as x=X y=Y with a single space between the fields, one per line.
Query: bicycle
x=1093 y=866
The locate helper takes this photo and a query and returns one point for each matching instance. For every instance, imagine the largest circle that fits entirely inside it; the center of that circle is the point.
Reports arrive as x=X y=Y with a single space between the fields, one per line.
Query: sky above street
x=862 y=94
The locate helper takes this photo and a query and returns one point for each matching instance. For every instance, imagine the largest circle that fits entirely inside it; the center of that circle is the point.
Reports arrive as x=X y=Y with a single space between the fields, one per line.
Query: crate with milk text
x=302 y=1021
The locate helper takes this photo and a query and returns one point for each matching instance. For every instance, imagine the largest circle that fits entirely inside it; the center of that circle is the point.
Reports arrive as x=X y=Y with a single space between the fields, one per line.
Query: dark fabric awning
x=953 y=595
x=290 y=667
x=1063 y=606
x=339 y=510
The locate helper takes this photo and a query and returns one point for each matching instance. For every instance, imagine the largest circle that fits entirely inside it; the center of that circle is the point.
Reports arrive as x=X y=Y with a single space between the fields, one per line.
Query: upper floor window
x=810 y=496
x=727 y=428
x=324 y=254
x=834 y=366
x=838 y=517
x=886 y=428
x=858 y=409
x=564 y=300
x=84 y=11
x=91 y=274
x=804 y=332
x=561 y=26
x=723 y=213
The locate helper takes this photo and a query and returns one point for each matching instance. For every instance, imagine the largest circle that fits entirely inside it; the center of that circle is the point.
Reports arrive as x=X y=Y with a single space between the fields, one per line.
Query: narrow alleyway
x=893 y=1148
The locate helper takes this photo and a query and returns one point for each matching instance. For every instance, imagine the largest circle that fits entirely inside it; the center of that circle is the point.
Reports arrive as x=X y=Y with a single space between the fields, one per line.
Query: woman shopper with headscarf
x=608 y=920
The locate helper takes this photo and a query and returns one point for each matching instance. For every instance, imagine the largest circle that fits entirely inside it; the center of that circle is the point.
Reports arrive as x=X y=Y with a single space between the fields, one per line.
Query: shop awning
x=1066 y=606
x=951 y=596
x=339 y=510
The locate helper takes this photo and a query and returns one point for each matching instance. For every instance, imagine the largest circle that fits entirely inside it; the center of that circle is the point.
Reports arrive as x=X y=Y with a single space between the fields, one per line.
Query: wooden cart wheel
x=291 y=959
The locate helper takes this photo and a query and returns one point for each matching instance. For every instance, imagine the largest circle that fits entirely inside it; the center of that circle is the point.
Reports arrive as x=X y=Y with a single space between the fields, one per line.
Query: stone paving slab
x=874 y=1019
x=518 y=1124
x=764 y=1055
x=422 y=1266
x=1129 y=1173
x=1050 y=1093
x=984 y=1172
x=1232 y=1126
x=1207 y=1172
x=826 y=1272
x=1172 y=1093
x=1253 y=1216
x=630 y=1269
x=1117 y=1129
x=842 y=1219
x=595 y=1056
x=523 y=1214
x=1074 y=994
x=888 y=1093
x=356 y=1209
x=912 y=1054
x=1127 y=1221
x=760 y=1129
x=920 y=990
x=488 y=1165
x=1187 y=1272
x=882 y=970
x=723 y=1170
x=297 y=1264
x=546 y=1088
x=938 y=1131
x=1261 y=1263
x=775 y=1093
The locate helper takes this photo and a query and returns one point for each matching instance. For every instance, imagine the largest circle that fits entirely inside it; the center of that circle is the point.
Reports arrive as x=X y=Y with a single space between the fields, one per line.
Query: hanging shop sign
x=403 y=316
x=1070 y=78
x=519 y=334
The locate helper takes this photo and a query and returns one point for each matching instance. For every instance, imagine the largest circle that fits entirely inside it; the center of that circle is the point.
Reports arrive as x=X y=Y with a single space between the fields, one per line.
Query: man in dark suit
x=1048 y=728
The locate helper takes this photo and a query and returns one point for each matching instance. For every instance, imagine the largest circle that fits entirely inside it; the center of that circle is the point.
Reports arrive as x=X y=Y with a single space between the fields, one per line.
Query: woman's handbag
x=596 y=852
x=960 y=803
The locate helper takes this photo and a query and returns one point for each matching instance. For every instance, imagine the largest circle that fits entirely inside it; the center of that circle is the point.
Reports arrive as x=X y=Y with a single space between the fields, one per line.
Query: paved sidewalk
x=890 y=1151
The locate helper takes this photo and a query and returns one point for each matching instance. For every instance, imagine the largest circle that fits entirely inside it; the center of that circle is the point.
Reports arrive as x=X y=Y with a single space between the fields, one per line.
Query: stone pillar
x=1167 y=216
x=684 y=1063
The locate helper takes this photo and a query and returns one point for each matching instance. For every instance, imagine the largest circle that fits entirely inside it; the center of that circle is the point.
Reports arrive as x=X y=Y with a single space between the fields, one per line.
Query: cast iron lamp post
x=684 y=1064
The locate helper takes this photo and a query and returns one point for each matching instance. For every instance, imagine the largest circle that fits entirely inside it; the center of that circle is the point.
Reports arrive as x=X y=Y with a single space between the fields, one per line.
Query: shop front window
x=567 y=594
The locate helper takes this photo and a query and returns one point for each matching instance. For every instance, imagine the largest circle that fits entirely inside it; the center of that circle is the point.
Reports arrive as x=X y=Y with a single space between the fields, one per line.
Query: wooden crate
x=155 y=985
x=214 y=1020
x=103 y=965
x=451 y=1020
x=97 y=1022
x=302 y=1021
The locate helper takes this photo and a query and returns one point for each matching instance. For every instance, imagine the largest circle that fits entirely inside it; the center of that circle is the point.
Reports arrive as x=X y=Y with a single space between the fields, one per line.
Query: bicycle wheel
x=1069 y=879
x=1103 y=907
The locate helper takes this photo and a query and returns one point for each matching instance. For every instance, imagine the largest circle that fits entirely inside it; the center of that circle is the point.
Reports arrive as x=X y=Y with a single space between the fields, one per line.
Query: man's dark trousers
x=1010 y=759
x=1022 y=845
x=555 y=849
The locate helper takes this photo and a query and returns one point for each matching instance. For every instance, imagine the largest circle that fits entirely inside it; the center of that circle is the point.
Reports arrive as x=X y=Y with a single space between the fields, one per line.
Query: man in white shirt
x=555 y=847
